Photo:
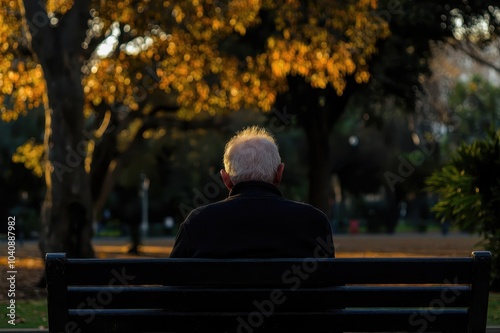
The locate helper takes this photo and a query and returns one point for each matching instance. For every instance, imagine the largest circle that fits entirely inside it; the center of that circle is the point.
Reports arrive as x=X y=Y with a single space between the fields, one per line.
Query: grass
x=29 y=314
x=33 y=313
x=494 y=310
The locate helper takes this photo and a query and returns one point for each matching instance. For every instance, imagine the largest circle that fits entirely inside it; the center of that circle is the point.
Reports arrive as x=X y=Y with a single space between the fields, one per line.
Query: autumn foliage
x=134 y=47
x=179 y=42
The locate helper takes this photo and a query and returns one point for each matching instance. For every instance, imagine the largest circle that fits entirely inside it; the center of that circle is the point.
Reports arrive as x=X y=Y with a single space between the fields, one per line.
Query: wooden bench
x=272 y=295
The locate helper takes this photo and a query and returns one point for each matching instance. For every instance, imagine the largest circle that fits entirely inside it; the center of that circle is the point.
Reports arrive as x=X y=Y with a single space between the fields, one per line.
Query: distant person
x=255 y=221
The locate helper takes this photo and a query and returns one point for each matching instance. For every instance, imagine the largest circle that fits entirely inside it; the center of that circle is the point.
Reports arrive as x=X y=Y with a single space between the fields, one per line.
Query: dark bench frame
x=272 y=295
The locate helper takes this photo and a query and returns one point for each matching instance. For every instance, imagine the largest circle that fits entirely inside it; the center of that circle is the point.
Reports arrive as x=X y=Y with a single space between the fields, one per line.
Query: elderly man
x=255 y=221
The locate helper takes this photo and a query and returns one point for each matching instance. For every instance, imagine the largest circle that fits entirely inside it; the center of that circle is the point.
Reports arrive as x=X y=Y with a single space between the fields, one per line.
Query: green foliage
x=469 y=186
x=477 y=104
x=469 y=190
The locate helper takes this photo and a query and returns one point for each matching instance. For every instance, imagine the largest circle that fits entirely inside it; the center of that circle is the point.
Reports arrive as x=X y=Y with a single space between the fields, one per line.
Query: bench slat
x=354 y=320
x=194 y=299
x=261 y=272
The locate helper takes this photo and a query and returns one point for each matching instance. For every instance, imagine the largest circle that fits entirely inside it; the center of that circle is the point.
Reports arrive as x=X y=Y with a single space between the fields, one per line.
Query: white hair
x=252 y=154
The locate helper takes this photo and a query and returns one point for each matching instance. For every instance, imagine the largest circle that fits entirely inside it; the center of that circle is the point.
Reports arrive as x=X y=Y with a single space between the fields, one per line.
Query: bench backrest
x=273 y=295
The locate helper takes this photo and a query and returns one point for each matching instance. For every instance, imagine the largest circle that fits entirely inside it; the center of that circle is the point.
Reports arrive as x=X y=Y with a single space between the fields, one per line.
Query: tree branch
x=74 y=26
x=475 y=54
x=38 y=26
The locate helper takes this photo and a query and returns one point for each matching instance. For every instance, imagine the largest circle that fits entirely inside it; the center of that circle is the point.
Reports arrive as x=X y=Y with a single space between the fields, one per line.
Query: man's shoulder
x=302 y=206
x=276 y=206
x=210 y=208
x=280 y=202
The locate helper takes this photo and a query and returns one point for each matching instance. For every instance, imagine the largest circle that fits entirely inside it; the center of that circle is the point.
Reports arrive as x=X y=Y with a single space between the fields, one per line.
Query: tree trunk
x=67 y=208
x=317 y=134
x=318 y=110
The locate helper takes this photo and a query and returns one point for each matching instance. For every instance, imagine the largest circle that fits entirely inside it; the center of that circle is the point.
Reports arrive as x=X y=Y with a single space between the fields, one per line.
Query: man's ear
x=226 y=179
x=279 y=174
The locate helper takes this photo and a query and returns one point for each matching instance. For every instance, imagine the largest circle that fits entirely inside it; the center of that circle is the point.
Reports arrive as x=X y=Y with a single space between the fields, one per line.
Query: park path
x=360 y=245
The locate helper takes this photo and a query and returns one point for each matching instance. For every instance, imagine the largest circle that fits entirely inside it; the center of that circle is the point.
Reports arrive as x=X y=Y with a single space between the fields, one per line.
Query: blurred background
x=115 y=115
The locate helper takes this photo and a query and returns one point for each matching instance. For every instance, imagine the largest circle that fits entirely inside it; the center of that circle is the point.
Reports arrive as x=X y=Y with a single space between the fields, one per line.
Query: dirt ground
x=29 y=265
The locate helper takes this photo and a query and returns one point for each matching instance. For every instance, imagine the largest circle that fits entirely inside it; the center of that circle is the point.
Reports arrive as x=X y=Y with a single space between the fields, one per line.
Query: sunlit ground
x=405 y=245
x=156 y=251
x=24 y=263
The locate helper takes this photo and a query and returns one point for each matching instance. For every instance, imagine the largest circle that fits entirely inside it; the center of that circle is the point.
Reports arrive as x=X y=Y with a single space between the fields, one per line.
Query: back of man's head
x=252 y=154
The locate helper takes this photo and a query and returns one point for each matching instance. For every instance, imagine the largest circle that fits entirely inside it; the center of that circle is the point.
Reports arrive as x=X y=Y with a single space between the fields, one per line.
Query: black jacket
x=255 y=221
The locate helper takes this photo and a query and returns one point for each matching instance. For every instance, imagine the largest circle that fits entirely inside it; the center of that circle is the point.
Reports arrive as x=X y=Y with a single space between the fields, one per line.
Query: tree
x=49 y=55
x=331 y=46
x=150 y=47
x=477 y=104
x=291 y=46
x=395 y=37
x=130 y=50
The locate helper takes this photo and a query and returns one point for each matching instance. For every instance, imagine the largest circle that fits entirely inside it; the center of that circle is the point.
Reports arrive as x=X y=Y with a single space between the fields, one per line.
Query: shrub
x=469 y=190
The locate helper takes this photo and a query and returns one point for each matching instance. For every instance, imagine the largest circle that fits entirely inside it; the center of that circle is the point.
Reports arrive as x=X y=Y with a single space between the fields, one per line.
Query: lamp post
x=144 y=204
x=353 y=223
